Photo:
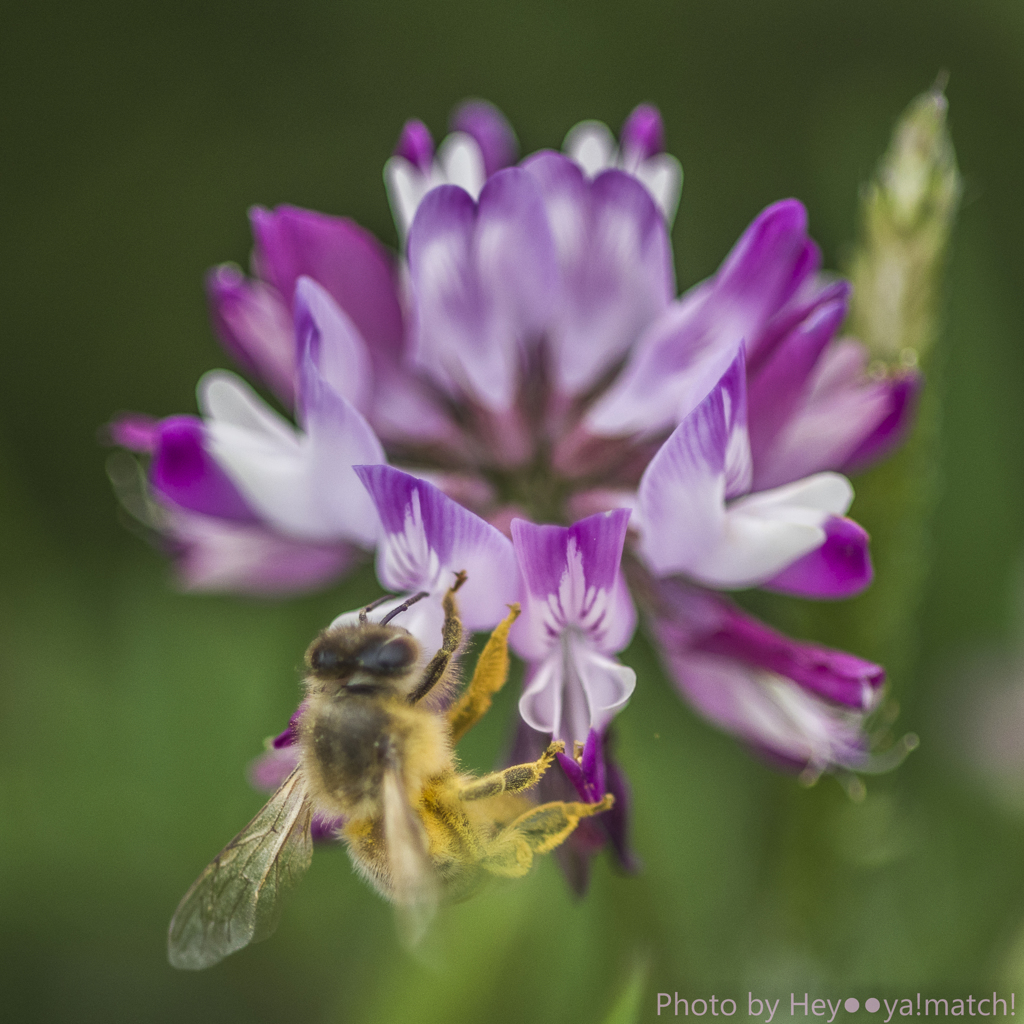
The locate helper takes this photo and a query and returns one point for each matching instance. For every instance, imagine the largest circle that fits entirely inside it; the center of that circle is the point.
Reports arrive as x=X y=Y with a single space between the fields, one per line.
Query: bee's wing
x=414 y=881
x=237 y=898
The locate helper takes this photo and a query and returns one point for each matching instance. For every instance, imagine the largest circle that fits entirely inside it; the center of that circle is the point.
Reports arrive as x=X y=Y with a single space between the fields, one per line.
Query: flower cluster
x=565 y=423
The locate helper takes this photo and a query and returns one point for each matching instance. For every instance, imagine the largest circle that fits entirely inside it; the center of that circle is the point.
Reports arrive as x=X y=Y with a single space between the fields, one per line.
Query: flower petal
x=333 y=342
x=846 y=420
x=608 y=685
x=684 y=523
x=300 y=484
x=683 y=519
x=461 y=163
x=135 y=431
x=591 y=145
x=482 y=278
x=272 y=767
x=253 y=325
x=406 y=185
x=778 y=383
x=572 y=580
x=770 y=712
x=540 y=706
x=491 y=131
x=681 y=355
x=768 y=531
x=772 y=258
x=891 y=429
x=348 y=261
x=672 y=367
x=575 y=689
x=802 y=703
x=222 y=555
x=416 y=145
x=697 y=620
x=616 y=266
x=643 y=134
x=182 y=471
x=338 y=438
x=662 y=176
x=841 y=567
x=427 y=537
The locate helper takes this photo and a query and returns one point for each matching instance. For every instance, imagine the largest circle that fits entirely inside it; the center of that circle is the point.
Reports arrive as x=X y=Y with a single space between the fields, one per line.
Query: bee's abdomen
x=352 y=743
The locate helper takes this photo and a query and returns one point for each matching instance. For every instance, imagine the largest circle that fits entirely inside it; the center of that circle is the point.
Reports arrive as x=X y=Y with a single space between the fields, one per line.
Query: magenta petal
x=776 y=386
x=846 y=419
x=643 y=134
x=333 y=342
x=341 y=256
x=841 y=567
x=254 y=326
x=892 y=429
x=802 y=704
x=676 y=362
x=773 y=714
x=596 y=775
x=574 y=585
x=575 y=774
x=135 y=431
x=428 y=537
x=272 y=767
x=544 y=552
x=674 y=365
x=683 y=489
x=225 y=556
x=339 y=438
x=291 y=734
x=185 y=473
x=710 y=625
x=324 y=828
x=616 y=266
x=816 y=291
x=573 y=856
x=589 y=775
x=490 y=129
x=416 y=145
x=483 y=279
x=592 y=763
x=769 y=263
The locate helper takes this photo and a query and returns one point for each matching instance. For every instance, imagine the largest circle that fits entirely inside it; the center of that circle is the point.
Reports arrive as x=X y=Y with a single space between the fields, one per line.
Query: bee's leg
x=451 y=637
x=488 y=678
x=539 y=830
x=514 y=779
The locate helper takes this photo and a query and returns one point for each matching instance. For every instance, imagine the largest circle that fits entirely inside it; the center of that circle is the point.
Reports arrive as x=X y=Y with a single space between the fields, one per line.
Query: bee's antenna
x=402 y=607
x=372 y=605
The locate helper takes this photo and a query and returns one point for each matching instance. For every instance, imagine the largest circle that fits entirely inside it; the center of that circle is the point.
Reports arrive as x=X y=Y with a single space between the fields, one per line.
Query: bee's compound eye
x=325 y=658
x=391 y=656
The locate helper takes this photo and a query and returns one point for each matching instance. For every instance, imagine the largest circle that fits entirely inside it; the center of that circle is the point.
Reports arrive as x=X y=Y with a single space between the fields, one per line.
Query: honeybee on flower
x=574 y=435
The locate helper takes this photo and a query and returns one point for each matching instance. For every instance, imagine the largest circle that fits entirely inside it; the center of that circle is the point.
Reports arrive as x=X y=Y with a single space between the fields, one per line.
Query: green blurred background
x=134 y=138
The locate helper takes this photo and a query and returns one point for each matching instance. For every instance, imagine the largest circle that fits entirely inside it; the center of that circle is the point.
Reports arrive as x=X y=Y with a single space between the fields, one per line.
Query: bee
x=376 y=740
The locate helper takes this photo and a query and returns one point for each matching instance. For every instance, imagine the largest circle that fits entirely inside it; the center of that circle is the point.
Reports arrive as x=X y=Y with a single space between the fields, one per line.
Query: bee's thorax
x=347 y=745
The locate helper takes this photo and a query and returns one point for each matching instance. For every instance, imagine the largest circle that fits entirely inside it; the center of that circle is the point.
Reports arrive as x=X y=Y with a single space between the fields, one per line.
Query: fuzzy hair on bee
x=376 y=733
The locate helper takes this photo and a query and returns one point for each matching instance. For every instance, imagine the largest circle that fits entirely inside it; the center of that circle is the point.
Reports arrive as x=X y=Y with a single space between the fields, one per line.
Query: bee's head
x=363 y=658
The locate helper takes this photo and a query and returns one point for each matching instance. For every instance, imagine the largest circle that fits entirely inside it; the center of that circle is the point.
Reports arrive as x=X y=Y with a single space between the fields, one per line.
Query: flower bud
x=906 y=215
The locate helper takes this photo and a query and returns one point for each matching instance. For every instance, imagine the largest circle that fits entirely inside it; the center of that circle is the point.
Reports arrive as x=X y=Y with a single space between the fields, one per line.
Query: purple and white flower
x=481 y=142
x=577 y=614
x=426 y=539
x=528 y=354
x=697 y=518
x=801 y=705
x=639 y=152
